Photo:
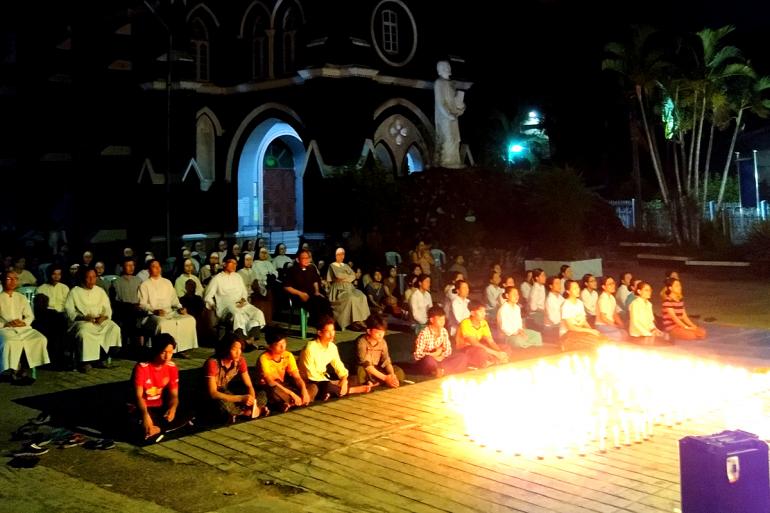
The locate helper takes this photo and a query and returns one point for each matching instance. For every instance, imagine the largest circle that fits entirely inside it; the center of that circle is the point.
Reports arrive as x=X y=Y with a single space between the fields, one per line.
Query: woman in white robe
x=349 y=304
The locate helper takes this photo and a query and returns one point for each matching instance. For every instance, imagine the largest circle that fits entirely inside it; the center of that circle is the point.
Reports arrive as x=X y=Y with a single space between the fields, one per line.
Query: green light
x=271 y=161
x=516 y=150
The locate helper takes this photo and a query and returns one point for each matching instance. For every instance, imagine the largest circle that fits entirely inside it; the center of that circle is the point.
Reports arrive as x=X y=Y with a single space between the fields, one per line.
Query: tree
x=640 y=65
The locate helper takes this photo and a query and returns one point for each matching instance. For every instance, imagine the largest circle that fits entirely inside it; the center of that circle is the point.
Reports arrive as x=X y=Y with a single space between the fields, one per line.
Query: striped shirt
x=669 y=323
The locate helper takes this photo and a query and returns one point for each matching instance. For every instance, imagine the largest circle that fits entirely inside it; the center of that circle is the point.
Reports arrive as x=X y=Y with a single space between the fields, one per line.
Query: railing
x=737 y=221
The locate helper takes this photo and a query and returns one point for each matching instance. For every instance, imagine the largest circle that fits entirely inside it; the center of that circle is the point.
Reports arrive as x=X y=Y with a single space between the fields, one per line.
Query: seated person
x=511 y=325
x=24 y=277
x=165 y=314
x=100 y=280
x=474 y=338
x=608 y=320
x=493 y=291
x=221 y=369
x=432 y=349
x=50 y=318
x=273 y=365
x=304 y=284
x=17 y=337
x=315 y=359
x=188 y=274
x=675 y=319
x=125 y=292
x=641 y=323
x=589 y=296
x=228 y=297
x=376 y=292
x=420 y=301
x=536 y=302
x=211 y=269
x=89 y=312
x=574 y=331
x=153 y=380
x=348 y=303
x=552 y=311
x=457 y=311
x=374 y=365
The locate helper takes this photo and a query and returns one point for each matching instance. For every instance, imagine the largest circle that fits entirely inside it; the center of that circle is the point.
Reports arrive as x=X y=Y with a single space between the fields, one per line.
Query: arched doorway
x=270 y=192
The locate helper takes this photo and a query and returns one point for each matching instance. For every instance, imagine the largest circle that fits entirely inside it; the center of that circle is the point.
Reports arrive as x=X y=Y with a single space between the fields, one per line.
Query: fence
x=737 y=221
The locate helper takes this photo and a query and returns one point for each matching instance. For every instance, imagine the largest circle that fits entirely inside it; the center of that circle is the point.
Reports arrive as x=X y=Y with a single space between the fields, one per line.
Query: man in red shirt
x=152 y=381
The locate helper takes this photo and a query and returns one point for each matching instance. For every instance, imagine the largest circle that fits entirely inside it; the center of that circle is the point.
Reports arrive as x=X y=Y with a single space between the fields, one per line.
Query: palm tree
x=749 y=94
x=641 y=66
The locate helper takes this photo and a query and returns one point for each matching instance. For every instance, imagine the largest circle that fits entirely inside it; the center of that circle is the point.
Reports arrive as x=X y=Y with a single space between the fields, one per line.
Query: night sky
x=549 y=54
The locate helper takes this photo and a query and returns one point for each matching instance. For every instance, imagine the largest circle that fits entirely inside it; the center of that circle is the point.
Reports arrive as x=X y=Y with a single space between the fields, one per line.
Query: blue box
x=725 y=472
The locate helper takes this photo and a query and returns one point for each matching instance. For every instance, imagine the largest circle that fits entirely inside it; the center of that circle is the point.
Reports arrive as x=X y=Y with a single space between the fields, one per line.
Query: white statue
x=449 y=106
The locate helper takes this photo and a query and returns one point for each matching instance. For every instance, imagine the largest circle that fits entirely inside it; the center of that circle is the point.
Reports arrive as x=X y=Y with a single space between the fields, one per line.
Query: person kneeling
x=273 y=365
x=221 y=370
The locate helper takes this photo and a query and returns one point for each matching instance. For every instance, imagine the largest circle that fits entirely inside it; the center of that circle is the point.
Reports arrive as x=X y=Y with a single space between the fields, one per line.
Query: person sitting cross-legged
x=433 y=351
x=156 y=388
x=511 y=325
x=221 y=370
x=608 y=320
x=675 y=319
x=574 y=330
x=315 y=359
x=89 y=312
x=374 y=365
x=273 y=365
x=475 y=339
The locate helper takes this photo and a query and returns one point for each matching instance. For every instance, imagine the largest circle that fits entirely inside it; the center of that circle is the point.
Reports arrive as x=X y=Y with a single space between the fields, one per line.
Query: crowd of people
x=82 y=317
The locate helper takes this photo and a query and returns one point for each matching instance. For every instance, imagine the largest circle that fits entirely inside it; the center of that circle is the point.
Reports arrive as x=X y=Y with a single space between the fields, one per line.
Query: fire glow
x=612 y=398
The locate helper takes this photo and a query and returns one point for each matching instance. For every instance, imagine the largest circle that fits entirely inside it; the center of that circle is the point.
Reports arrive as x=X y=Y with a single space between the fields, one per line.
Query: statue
x=449 y=106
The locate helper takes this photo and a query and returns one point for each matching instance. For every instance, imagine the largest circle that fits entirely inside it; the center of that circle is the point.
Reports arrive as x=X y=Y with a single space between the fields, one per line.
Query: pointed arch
x=285 y=4
x=258 y=8
x=200 y=47
x=205 y=150
x=248 y=120
x=206 y=12
x=205 y=111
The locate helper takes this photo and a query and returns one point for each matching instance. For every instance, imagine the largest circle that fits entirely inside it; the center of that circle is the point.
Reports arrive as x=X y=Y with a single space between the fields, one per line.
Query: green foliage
x=758 y=243
x=564 y=215
x=731 y=189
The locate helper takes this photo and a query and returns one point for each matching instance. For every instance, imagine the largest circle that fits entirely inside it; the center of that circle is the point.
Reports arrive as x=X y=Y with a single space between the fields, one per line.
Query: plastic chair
x=303 y=317
x=28 y=291
x=392 y=258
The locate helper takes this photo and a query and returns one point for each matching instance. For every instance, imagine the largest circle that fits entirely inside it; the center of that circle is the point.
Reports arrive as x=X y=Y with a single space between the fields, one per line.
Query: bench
x=672 y=261
x=719 y=268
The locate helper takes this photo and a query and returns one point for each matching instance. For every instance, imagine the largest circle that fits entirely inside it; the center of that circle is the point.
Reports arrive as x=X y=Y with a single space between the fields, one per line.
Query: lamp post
x=169 y=61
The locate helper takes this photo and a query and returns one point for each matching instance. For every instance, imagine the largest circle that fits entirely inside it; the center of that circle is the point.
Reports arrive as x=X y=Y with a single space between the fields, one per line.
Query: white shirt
x=537 y=297
x=180 y=282
x=589 y=299
x=509 y=319
x=621 y=296
x=419 y=302
x=459 y=312
x=552 y=309
x=92 y=302
x=569 y=310
x=280 y=261
x=227 y=288
x=641 y=319
x=158 y=294
x=57 y=294
x=607 y=306
x=525 y=289
x=492 y=294
x=314 y=359
x=15 y=307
